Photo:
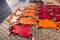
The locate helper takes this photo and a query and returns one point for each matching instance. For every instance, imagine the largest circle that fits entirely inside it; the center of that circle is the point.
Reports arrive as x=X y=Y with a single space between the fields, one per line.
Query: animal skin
x=33 y=11
x=32 y=7
x=21 y=30
x=44 y=16
x=29 y=14
x=13 y=19
x=18 y=13
x=25 y=20
x=57 y=18
x=45 y=23
x=15 y=16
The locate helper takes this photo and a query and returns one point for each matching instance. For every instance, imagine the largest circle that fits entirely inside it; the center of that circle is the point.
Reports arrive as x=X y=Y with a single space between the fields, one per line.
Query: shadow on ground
x=4 y=10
